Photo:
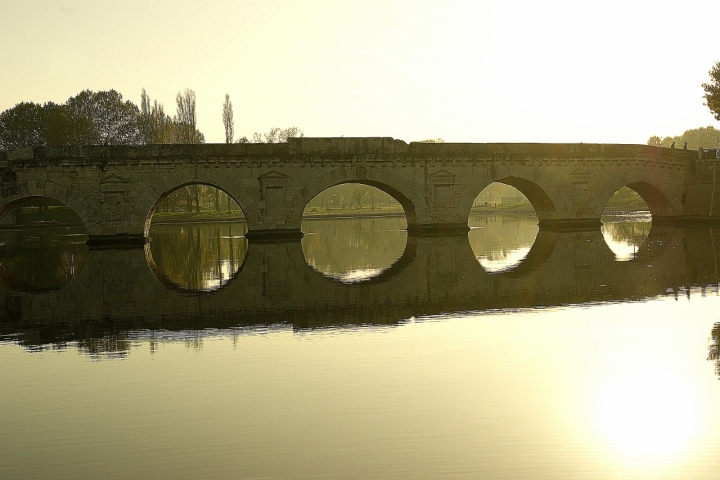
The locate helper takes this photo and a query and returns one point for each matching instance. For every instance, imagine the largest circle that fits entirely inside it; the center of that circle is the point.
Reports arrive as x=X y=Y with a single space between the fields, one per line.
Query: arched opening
x=626 y=222
x=353 y=232
x=503 y=226
x=42 y=245
x=197 y=238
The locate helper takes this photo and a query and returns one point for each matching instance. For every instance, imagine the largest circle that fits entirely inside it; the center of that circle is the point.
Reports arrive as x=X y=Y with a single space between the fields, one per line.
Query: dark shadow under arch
x=540 y=201
x=11 y=206
x=655 y=199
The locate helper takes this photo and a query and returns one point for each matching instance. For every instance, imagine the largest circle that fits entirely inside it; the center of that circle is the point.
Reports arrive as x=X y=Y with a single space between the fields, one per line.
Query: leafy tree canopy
x=30 y=124
x=93 y=118
x=115 y=121
x=274 y=135
x=712 y=91
x=158 y=127
x=705 y=137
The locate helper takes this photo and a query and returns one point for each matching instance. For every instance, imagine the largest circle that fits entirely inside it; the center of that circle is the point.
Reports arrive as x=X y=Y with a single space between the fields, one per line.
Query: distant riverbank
x=64 y=217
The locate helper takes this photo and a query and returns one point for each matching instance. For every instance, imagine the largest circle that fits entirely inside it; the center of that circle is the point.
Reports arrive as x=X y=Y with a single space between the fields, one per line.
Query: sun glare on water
x=647 y=415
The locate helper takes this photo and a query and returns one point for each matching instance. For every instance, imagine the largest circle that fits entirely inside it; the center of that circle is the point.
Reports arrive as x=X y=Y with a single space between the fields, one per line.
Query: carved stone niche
x=272 y=193
x=113 y=196
x=441 y=185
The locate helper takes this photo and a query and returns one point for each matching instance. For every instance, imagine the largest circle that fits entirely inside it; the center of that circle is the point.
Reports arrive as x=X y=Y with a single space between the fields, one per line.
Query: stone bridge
x=115 y=189
x=118 y=290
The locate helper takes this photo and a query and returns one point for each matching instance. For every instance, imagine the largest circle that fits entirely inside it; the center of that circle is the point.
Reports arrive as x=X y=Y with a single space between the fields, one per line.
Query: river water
x=362 y=352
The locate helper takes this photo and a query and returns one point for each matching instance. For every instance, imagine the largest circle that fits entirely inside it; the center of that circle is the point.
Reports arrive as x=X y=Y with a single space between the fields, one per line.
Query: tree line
x=703 y=137
x=105 y=118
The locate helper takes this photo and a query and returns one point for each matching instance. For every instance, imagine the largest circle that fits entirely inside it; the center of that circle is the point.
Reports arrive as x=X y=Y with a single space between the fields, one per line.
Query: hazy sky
x=479 y=71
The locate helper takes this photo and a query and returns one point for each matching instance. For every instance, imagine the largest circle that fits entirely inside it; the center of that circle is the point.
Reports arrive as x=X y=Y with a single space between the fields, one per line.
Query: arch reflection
x=197 y=238
x=197 y=257
x=501 y=242
x=503 y=227
x=625 y=236
x=353 y=232
x=41 y=258
x=626 y=223
x=353 y=250
x=42 y=245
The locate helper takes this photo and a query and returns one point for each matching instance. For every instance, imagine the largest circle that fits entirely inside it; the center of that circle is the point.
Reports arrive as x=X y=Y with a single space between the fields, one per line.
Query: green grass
x=202 y=216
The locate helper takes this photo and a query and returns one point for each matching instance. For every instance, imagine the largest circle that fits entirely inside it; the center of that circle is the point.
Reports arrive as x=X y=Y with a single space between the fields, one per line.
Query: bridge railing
x=709 y=153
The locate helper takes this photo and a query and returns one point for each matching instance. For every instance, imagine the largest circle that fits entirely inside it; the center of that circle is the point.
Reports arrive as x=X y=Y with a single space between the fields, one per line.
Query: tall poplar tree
x=228 y=120
x=187 y=118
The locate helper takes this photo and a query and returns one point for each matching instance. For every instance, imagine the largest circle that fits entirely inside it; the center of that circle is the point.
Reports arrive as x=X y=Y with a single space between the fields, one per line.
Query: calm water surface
x=362 y=352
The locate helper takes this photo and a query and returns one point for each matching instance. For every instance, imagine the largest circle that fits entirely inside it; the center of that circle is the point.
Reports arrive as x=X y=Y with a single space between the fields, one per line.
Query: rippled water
x=362 y=352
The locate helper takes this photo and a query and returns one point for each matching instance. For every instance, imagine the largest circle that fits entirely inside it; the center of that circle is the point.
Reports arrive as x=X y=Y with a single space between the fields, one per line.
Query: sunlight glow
x=359 y=274
x=623 y=250
x=624 y=238
x=647 y=415
x=503 y=261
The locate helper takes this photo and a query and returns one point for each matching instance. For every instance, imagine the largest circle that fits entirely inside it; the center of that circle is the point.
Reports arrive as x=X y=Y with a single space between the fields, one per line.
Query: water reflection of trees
x=108 y=346
x=353 y=249
x=503 y=240
x=634 y=233
x=624 y=237
x=37 y=260
x=197 y=257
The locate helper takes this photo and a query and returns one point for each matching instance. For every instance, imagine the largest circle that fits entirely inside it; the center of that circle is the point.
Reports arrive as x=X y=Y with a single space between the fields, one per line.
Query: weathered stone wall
x=114 y=189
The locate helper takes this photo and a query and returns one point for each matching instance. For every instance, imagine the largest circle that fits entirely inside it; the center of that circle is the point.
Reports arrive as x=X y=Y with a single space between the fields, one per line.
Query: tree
x=654 y=140
x=115 y=121
x=99 y=118
x=155 y=125
x=145 y=121
x=277 y=135
x=30 y=124
x=712 y=91
x=186 y=118
x=228 y=120
x=358 y=192
x=22 y=126
x=705 y=137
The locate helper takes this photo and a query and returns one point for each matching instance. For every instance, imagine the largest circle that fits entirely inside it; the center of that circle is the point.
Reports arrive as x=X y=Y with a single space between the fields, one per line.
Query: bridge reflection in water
x=117 y=292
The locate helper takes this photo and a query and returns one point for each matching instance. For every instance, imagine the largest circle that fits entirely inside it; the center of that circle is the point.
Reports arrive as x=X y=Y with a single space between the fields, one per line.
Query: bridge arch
x=68 y=197
x=542 y=203
x=413 y=203
x=160 y=188
x=661 y=201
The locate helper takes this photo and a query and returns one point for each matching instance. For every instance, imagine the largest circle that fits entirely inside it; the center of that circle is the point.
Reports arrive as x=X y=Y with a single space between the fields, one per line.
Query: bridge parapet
x=346 y=145
x=709 y=154
x=343 y=146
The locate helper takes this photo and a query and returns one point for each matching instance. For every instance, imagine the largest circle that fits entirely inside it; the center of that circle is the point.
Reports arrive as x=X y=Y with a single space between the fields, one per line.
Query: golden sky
x=492 y=71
